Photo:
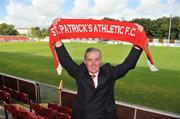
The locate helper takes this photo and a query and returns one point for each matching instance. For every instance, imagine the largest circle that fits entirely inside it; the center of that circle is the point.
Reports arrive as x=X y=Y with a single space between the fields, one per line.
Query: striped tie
x=92 y=77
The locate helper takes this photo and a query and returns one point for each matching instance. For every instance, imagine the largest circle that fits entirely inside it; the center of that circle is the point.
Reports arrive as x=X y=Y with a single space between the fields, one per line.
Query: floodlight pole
x=169 y=35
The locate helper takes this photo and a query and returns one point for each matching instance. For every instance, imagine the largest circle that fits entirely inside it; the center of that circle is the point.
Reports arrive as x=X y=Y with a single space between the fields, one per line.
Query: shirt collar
x=96 y=74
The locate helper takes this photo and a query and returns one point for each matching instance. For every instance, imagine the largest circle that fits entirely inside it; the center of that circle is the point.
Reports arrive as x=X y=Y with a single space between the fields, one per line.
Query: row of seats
x=52 y=112
x=62 y=109
x=21 y=85
x=6 y=94
x=18 y=112
x=37 y=111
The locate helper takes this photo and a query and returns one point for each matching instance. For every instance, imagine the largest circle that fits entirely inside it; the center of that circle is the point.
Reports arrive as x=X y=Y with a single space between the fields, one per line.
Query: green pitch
x=159 y=90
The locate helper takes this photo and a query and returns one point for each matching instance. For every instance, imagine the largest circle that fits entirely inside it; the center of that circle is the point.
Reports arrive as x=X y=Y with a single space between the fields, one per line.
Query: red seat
x=23 y=97
x=5 y=96
x=11 y=91
x=48 y=113
x=40 y=117
x=13 y=109
x=53 y=106
x=64 y=110
x=37 y=108
x=26 y=115
x=59 y=115
x=14 y=93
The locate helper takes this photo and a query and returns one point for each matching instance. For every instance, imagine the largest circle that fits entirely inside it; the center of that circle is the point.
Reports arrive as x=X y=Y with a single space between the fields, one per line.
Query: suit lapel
x=91 y=90
x=87 y=78
x=102 y=81
x=101 y=78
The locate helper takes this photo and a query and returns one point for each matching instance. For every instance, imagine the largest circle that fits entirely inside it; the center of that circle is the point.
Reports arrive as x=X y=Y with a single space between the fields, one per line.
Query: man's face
x=93 y=61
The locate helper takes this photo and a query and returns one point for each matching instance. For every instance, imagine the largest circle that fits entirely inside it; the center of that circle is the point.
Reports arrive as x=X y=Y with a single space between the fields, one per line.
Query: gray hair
x=90 y=49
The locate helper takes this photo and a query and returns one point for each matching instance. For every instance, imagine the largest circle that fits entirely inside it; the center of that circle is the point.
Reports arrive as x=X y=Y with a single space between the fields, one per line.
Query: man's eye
x=89 y=60
x=97 y=59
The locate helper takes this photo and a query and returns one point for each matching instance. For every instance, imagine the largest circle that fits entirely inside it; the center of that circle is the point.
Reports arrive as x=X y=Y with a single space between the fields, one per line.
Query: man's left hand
x=139 y=27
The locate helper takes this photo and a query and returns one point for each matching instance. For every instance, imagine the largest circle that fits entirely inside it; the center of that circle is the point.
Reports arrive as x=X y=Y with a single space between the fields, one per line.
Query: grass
x=159 y=90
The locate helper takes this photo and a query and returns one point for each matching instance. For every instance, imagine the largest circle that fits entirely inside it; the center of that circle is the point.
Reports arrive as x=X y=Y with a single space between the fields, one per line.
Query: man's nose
x=94 y=63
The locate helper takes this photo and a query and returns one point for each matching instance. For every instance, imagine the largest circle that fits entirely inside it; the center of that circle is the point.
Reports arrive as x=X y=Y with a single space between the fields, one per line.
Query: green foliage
x=176 y=28
x=159 y=28
x=38 y=33
x=108 y=18
x=160 y=90
x=6 y=29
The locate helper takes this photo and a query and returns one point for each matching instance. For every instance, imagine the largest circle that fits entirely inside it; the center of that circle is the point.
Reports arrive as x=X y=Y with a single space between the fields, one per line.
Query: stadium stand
x=59 y=108
x=52 y=111
x=64 y=110
x=37 y=108
x=19 y=112
x=53 y=106
x=23 y=97
x=4 y=38
x=59 y=115
x=13 y=109
x=56 y=111
x=20 y=89
x=48 y=113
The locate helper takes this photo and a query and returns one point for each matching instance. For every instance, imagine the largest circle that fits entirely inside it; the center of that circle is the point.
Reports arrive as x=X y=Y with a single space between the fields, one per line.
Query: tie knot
x=93 y=76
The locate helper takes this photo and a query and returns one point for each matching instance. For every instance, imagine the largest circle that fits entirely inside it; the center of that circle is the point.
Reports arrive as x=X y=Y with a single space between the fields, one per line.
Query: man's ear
x=84 y=62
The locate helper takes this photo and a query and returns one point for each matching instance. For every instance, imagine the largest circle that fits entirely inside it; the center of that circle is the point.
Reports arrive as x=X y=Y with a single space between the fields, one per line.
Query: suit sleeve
x=66 y=61
x=128 y=64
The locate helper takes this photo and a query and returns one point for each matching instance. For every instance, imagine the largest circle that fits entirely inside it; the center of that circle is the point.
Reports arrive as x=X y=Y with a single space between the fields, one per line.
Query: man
x=95 y=93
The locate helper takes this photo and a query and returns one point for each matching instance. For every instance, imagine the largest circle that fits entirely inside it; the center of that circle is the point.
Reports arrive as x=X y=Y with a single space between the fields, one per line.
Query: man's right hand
x=58 y=43
x=55 y=40
x=56 y=20
x=139 y=27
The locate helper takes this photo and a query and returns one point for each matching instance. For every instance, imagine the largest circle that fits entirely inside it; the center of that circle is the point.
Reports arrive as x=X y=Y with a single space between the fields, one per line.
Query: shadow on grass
x=30 y=66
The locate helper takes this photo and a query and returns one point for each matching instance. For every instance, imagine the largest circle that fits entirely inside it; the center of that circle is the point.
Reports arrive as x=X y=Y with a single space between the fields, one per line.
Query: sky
x=31 y=13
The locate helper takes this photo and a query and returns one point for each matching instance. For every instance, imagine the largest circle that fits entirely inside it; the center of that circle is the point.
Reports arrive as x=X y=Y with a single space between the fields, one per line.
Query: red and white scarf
x=103 y=29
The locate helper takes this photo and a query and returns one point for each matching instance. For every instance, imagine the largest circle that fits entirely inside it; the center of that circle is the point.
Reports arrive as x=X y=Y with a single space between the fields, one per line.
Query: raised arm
x=128 y=64
x=65 y=59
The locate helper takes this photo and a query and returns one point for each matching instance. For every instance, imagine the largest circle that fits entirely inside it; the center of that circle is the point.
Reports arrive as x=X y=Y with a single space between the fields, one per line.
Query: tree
x=44 y=33
x=38 y=33
x=35 y=31
x=175 y=28
x=6 y=29
x=147 y=24
x=159 y=28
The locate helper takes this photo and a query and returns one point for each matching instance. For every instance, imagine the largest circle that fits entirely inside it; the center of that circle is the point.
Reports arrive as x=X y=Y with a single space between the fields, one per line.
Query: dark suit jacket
x=96 y=103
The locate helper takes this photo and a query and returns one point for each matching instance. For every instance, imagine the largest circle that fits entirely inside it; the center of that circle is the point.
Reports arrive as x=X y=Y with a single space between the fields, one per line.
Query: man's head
x=92 y=59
